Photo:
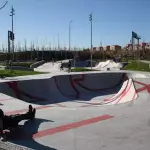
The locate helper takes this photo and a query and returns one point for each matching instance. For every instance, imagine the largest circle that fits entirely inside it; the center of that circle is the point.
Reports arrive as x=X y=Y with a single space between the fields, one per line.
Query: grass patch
x=22 y=64
x=137 y=66
x=81 y=70
x=14 y=73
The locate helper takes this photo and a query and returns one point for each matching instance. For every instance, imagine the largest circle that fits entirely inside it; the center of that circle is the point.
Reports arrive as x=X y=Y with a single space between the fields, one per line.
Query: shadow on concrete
x=23 y=136
x=83 y=97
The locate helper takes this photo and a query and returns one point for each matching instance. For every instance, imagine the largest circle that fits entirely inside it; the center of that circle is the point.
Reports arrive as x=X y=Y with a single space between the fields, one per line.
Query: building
x=115 y=48
x=94 y=49
x=107 y=48
x=141 y=46
x=99 y=48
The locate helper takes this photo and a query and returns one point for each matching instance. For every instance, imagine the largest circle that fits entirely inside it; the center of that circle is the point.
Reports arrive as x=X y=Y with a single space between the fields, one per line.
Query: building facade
x=141 y=46
x=107 y=48
x=115 y=48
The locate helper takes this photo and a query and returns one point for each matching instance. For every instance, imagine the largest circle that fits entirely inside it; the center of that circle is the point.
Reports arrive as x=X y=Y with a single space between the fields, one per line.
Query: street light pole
x=70 y=41
x=12 y=16
x=74 y=57
x=59 y=51
x=91 y=53
x=58 y=43
x=70 y=35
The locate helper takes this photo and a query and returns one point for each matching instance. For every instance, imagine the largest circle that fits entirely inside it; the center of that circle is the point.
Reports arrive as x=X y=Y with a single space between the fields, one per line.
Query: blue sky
x=41 y=21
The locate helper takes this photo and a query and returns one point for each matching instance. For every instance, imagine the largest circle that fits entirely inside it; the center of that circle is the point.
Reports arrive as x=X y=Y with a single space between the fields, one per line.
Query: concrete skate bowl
x=105 y=88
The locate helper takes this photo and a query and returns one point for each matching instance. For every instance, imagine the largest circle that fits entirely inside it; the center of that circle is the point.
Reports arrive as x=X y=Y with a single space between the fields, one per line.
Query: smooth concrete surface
x=67 y=122
x=37 y=64
x=145 y=61
x=50 y=67
x=73 y=87
x=55 y=66
x=108 y=64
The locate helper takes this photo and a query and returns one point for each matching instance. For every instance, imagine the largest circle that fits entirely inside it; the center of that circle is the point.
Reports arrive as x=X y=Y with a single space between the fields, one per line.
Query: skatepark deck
x=94 y=110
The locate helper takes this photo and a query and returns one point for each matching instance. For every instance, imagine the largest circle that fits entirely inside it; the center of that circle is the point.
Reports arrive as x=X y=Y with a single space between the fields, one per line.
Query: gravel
x=11 y=146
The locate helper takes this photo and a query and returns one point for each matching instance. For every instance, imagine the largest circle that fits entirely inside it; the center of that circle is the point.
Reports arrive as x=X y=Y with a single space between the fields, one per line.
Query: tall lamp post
x=58 y=46
x=70 y=35
x=59 y=49
x=70 y=41
x=12 y=16
x=91 y=52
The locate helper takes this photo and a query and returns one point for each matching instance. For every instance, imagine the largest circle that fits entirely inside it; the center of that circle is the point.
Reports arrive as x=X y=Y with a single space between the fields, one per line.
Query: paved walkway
x=145 y=61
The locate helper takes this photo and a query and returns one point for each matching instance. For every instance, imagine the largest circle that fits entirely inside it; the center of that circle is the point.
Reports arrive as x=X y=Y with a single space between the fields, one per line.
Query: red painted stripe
x=145 y=87
x=59 y=89
x=70 y=126
x=19 y=93
x=123 y=94
x=140 y=83
x=117 y=96
x=127 y=90
x=141 y=89
x=90 y=105
x=60 y=105
x=83 y=78
x=73 y=87
x=24 y=110
x=107 y=102
x=78 y=82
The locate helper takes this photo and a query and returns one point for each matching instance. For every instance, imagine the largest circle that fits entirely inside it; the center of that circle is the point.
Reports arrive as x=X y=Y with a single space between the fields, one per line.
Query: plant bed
x=14 y=73
x=22 y=64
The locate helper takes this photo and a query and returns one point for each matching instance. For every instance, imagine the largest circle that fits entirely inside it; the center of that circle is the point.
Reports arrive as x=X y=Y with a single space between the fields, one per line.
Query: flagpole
x=137 y=37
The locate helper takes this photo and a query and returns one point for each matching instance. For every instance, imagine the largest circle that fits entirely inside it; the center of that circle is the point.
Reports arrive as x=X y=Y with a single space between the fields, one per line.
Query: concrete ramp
x=91 y=88
x=51 y=67
x=108 y=64
x=48 y=67
x=127 y=93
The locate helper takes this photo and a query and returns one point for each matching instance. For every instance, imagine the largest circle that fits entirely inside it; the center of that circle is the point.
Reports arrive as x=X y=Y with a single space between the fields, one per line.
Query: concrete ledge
x=37 y=64
x=19 y=68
